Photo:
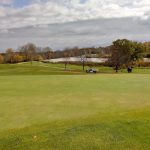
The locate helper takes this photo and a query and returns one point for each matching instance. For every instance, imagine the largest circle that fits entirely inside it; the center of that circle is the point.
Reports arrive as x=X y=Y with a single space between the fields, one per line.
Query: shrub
x=38 y=58
x=1 y=59
x=143 y=64
x=17 y=58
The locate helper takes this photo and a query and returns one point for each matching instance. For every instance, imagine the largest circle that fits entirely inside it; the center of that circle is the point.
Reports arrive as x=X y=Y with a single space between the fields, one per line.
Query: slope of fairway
x=39 y=68
x=84 y=112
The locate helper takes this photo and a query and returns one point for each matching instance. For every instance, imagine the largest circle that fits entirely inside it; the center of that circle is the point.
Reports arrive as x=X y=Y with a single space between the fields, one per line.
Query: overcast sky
x=68 y=23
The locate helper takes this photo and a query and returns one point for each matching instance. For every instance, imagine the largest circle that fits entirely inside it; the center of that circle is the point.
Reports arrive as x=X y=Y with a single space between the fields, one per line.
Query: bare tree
x=9 y=56
x=83 y=58
x=48 y=53
x=66 y=56
x=29 y=51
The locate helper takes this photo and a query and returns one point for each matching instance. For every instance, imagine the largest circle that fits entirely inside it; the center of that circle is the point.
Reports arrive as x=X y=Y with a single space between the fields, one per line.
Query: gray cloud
x=68 y=23
x=61 y=11
x=6 y=2
x=95 y=32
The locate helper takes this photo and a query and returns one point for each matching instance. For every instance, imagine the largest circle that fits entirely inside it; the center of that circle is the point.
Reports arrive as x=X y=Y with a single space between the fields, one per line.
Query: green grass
x=73 y=112
x=37 y=68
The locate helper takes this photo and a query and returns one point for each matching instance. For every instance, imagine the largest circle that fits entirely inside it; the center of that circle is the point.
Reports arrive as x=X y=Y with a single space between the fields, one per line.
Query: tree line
x=30 y=52
x=122 y=52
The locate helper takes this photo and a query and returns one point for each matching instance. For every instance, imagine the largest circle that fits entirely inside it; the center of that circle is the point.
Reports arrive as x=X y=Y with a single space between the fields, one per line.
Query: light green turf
x=38 y=68
x=75 y=112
